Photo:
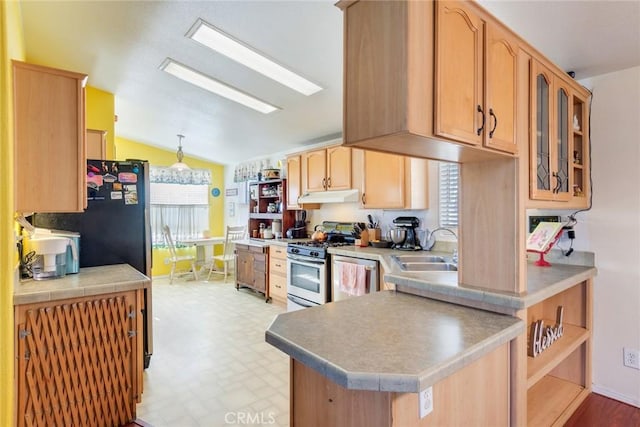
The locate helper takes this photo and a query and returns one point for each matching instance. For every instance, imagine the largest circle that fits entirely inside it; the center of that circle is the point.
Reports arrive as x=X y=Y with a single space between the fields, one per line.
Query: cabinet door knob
x=483 y=119
x=329 y=182
x=324 y=183
x=495 y=122
x=363 y=199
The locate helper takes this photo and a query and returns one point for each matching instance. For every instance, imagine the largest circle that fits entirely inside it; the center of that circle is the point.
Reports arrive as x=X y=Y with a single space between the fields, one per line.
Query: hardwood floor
x=600 y=411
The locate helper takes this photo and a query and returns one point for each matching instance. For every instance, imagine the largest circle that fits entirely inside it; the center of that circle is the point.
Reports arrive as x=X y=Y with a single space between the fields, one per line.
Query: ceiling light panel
x=215 y=39
x=212 y=85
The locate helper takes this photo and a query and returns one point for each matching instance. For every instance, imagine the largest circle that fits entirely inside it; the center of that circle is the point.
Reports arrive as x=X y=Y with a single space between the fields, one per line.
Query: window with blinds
x=449 y=186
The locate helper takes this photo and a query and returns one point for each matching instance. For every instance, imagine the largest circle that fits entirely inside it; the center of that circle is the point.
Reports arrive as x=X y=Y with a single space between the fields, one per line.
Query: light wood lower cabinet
x=318 y=402
x=79 y=361
x=252 y=268
x=278 y=273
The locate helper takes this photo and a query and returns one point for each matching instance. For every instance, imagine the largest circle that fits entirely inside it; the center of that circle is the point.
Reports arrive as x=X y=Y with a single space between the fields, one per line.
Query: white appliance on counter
x=50 y=255
x=369 y=270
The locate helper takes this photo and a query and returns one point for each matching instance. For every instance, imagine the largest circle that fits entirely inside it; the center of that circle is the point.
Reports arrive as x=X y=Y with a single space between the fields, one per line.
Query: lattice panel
x=76 y=364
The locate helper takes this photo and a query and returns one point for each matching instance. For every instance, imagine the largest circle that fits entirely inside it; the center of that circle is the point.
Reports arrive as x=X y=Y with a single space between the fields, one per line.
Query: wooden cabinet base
x=460 y=399
x=79 y=361
x=252 y=268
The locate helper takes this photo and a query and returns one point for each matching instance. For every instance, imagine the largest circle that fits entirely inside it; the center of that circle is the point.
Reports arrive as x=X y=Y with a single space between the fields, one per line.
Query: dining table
x=205 y=247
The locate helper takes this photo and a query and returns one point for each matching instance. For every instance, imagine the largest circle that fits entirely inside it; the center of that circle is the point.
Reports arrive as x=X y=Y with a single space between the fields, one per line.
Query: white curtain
x=184 y=221
x=183 y=207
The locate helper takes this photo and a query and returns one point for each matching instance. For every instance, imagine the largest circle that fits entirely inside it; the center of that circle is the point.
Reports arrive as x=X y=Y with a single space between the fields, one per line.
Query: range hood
x=338 y=196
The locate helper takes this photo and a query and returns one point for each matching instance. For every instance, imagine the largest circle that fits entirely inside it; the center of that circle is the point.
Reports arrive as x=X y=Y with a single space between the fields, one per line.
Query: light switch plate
x=426 y=402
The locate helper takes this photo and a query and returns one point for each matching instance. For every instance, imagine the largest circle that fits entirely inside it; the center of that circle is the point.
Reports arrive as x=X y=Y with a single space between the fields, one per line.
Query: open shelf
x=267 y=205
x=552 y=400
x=541 y=365
x=265 y=215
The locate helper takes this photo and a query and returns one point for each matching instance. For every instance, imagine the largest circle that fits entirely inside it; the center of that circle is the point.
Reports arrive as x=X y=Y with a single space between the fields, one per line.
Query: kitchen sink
x=424 y=263
x=417 y=258
x=429 y=266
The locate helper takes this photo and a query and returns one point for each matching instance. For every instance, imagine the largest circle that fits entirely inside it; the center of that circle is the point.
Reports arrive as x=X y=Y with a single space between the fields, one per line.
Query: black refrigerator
x=115 y=227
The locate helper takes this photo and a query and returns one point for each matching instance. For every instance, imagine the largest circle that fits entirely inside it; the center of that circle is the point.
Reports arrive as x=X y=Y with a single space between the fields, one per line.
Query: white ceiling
x=121 y=44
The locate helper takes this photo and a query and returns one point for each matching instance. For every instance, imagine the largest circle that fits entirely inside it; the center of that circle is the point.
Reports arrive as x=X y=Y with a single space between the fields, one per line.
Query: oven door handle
x=305 y=260
x=300 y=301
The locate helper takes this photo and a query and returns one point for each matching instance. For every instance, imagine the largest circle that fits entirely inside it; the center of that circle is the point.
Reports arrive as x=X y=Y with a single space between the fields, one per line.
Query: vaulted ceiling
x=121 y=45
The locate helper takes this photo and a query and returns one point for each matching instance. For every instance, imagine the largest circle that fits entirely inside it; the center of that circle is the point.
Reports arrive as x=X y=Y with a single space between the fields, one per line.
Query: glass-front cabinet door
x=549 y=153
x=561 y=184
x=540 y=154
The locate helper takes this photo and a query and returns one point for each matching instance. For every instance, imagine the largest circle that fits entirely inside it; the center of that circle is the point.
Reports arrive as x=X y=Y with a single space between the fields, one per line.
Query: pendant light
x=179 y=165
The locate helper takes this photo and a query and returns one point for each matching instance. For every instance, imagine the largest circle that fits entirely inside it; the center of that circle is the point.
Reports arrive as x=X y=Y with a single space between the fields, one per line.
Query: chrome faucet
x=431 y=241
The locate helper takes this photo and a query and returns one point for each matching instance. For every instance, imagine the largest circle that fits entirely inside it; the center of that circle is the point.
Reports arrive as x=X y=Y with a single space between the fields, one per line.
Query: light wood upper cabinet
x=50 y=159
x=420 y=80
x=549 y=147
x=501 y=81
x=294 y=184
x=559 y=166
x=459 y=108
x=338 y=168
x=476 y=79
x=375 y=92
x=316 y=170
x=391 y=181
x=327 y=169
x=579 y=179
x=96 y=144
x=384 y=181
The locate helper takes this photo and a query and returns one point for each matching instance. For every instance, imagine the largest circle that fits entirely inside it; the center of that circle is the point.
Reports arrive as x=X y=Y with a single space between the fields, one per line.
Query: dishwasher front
x=338 y=263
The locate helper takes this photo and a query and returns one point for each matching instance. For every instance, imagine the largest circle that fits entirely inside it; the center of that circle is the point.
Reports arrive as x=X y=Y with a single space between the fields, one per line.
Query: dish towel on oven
x=353 y=279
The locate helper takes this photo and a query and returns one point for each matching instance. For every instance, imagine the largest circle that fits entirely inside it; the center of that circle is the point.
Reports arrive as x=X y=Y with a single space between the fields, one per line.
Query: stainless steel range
x=308 y=278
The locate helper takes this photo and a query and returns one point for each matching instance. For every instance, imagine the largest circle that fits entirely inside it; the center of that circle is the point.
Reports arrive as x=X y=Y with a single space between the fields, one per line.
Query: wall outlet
x=631 y=358
x=426 y=402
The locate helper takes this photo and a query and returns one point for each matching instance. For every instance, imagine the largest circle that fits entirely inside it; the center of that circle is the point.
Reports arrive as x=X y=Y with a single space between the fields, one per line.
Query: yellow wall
x=161 y=157
x=11 y=47
x=101 y=115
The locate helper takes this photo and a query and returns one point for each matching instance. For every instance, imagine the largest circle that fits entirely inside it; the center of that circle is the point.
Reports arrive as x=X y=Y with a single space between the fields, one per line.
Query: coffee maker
x=299 y=229
x=409 y=224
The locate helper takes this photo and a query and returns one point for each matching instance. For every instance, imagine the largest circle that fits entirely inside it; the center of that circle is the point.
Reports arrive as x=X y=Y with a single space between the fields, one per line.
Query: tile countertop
x=88 y=281
x=542 y=282
x=390 y=341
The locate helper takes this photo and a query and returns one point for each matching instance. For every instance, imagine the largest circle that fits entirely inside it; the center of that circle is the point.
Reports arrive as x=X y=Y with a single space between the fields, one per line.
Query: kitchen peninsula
x=396 y=343
x=79 y=347
x=362 y=361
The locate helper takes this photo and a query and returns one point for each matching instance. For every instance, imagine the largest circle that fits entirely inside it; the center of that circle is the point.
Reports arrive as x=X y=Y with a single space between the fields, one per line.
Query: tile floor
x=211 y=366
